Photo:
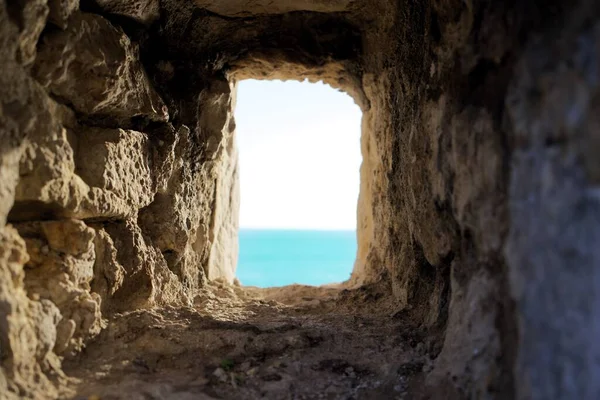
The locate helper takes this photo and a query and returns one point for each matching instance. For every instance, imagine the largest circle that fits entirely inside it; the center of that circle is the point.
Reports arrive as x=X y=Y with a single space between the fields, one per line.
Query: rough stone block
x=117 y=161
x=148 y=281
x=108 y=272
x=48 y=186
x=60 y=270
x=27 y=328
x=94 y=67
x=170 y=220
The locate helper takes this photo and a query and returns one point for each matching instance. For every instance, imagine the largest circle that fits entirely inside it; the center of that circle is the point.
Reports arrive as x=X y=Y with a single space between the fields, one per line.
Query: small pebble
x=245 y=366
x=201 y=380
x=420 y=348
x=221 y=374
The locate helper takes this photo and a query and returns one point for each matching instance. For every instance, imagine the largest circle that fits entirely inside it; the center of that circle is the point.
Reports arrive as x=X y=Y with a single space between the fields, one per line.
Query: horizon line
x=268 y=228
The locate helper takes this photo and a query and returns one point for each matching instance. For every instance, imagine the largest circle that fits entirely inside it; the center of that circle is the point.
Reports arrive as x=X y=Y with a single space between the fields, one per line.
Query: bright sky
x=299 y=146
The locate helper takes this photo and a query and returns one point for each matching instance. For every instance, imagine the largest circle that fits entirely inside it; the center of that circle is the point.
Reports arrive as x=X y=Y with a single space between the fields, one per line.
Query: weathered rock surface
x=194 y=219
x=171 y=228
x=28 y=332
x=148 y=281
x=142 y=11
x=49 y=185
x=18 y=106
x=60 y=269
x=223 y=258
x=118 y=161
x=46 y=171
x=93 y=67
x=31 y=15
x=242 y=8
x=61 y=10
x=108 y=273
x=478 y=215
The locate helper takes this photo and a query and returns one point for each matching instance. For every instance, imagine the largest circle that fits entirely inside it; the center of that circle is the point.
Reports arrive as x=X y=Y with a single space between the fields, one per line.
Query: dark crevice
x=135 y=30
x=33 y=210
x=488 y=83
x=303 y=37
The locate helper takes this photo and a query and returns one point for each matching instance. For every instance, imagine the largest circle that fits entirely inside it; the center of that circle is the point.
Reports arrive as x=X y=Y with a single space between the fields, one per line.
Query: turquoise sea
x=284 y=257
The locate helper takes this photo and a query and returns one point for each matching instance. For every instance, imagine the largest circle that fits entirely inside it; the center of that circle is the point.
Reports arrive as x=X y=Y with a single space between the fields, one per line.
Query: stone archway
x=477 y=220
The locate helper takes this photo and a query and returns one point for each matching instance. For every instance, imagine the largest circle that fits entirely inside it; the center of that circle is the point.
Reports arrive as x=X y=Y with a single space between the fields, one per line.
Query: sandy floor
x=245 y=343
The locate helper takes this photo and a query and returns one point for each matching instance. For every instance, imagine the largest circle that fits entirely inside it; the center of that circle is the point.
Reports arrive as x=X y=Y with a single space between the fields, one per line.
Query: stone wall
x=106 y=196
x=478 y=212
